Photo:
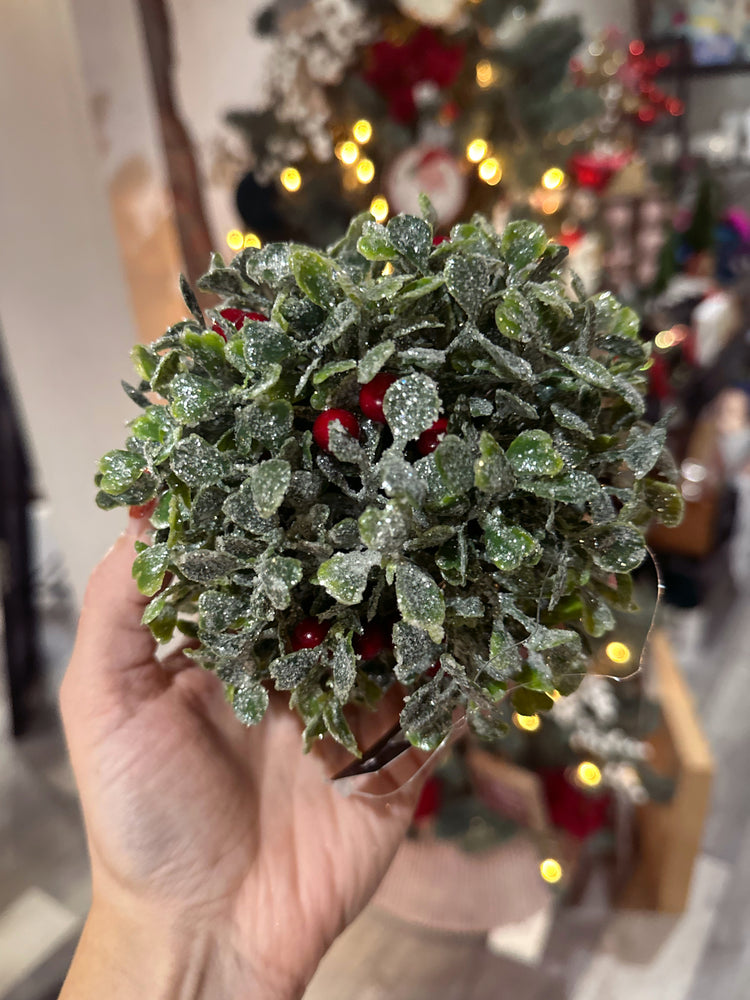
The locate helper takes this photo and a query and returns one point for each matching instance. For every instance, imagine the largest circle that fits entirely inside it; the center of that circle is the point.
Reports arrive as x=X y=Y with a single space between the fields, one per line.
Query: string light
x=637 y=47
x=379 y=208
x=618 y=652
x=553 y=178
x=476 y=150
x=365 y=171
x=490 y=171
x=388 y=269
x=252 y=240
x=551 y=870
x=529 y=723
x=551 y=204
x=485 y=73
x=347 y=152
x=291 y=178
x=235 y=239
x=362 y=130
x=589 y=774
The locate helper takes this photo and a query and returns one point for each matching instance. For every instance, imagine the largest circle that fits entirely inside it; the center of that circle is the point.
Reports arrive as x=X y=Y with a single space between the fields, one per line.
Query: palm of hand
x=220 y=825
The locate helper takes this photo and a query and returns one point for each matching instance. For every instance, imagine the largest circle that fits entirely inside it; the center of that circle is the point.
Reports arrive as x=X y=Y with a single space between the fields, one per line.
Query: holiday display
x=371 y=104
x=398 y=461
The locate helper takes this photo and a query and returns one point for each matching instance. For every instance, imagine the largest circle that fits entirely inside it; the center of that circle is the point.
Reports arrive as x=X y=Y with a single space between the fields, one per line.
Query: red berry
x=371 y=396
x=371 y=642
x=143 y=510
x=323 y=422
x=437 y=240
x=431 y=438
x=237 y=318
x=433 y=669
x=309 y=633
x=429 y=800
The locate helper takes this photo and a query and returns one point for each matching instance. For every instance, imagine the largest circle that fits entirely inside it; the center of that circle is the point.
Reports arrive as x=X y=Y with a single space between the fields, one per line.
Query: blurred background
x=600 y=851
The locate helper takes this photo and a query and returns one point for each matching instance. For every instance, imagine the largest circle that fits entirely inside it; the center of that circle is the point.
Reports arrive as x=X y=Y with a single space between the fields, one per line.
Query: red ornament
x=429 y=801
x=431 y=438
x=371 y=396
x=579 y=813
x=596 y=170
x=323 y=423
x=372 y=642
x=308 y=634
x=394 y=69
x=237 y=318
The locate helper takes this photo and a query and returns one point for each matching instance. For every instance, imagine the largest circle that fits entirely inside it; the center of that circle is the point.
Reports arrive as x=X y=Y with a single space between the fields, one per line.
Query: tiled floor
x=591 y=953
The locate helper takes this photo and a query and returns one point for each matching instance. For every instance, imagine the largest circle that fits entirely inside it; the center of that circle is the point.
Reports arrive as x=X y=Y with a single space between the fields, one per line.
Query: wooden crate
x=670 y=835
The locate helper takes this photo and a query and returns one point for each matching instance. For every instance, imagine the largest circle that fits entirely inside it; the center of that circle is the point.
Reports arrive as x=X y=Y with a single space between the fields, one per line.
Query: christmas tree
x=370 y=104
x=402 y=461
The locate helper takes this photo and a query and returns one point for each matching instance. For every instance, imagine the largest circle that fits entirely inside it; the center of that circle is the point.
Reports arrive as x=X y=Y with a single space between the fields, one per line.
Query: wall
x=63 y=301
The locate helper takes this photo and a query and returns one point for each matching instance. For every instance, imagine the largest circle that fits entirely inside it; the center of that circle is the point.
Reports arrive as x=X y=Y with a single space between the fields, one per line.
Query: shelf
x=694 y=71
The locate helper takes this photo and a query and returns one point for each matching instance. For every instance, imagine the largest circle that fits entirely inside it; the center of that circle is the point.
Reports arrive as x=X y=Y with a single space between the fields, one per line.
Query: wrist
x=128 y=954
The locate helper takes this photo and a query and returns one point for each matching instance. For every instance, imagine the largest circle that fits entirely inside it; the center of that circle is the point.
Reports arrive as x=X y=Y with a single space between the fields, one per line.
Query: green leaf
x=586 y=369
x=412 y=237
x=527 y=702
x=249 y=700
x=144 y=361
x=338 y=727
x=615 y=548
x=468 y=281
x=452 y=559
x=264 y=346
x=426 y=716
x=596 y=617
x=269 y=482
x=119 y=470
x=644 y=448
x=374 y=360
x=507 y=545
x=492 y=470
x=344 y=576
x=277 y=576
x=417 y=288
x=551 y=294
x=455 y=464
x=194 y=398
x=270 y=423
x=333 y=368
x=420 y=600
x=510 y=317
x=533 y=453
x=315 y=276
x=665 y=500
x=206 y=567
x=375 y=244
x=571 y=421
x=197 y=462
x=343 y=668
x=149 y=568
x=160 y=617
x=411 y=405
x=386 y=529
x=523 y=242
x=569 y=487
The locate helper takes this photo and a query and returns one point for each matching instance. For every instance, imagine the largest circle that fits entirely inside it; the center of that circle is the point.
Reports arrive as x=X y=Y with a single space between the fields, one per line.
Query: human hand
x=223 y=860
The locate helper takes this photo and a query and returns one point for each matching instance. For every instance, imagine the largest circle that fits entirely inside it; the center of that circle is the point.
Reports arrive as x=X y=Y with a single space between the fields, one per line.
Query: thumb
x=111 y=640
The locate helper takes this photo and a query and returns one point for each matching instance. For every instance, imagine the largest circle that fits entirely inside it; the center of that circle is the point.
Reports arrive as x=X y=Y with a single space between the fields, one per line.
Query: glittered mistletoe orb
x=427 y=467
